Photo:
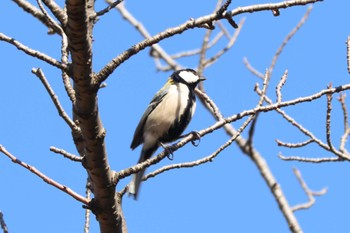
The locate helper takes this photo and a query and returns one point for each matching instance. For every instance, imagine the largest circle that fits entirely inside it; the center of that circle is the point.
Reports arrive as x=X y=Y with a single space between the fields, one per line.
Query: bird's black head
x=187 y=76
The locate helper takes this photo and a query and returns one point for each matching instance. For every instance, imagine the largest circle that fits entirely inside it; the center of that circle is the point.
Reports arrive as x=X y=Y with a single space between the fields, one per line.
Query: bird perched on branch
x=165 y=118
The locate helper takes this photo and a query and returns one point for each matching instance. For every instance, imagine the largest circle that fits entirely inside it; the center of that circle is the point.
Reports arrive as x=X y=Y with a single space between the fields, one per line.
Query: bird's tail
x=135 y=183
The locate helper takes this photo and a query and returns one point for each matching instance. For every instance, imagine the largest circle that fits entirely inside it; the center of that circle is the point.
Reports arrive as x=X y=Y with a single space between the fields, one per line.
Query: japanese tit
x=165 y=118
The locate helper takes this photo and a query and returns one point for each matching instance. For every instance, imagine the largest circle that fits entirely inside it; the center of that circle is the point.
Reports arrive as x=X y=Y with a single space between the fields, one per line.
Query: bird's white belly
x=163 y=116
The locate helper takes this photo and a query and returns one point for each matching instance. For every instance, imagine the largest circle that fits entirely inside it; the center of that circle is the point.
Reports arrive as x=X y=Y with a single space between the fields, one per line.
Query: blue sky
x=223 y=196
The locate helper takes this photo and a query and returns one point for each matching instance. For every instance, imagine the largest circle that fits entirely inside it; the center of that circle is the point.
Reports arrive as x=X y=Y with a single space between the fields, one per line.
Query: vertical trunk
x=105 y=205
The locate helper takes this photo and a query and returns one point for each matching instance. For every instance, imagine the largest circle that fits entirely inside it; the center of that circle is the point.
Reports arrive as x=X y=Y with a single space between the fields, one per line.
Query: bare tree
x=74 y=24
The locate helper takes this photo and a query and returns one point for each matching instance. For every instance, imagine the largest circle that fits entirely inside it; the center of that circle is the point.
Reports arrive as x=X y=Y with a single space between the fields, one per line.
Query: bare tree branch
x=2 y=223
x=252 y=69
x=110 y=7
x=33 y=53
x=197 y=51
x=328 y=121
x=87 y=211
x=38 y=72
x=310 y=160
x=261 y=165
x=348 y=53
x=143 y=31
x=35 y=12
x=289 y=37
x=64 y=45
x=66 y=154
x=303 y=130
x=231 y=42
x=48 y=180
x=222 y=122
x=294 y=145
x=204 y=160
x=309 y=193
x=56 y=11
x=106 y=206
x=103 y=74
x=280 y=49
x=345 y=136
x=280 y=85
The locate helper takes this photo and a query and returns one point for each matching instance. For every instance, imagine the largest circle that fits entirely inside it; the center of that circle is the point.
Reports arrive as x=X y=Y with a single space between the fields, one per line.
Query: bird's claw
x=196 y=137
x=169 y=151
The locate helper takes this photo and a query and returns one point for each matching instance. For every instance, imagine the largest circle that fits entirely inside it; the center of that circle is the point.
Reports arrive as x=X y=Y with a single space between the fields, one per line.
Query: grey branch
x=3 y=223
x=348 y=53
x=280 y=85
x=103 y=74
x=87 y=211
x=56 y=11
x=289 y=37
x=35 y=12
x=38 y=72
x=48 y=180
x=110 y=7
x=294 y=145
x=204 y=160
x=310 y=160
x=66 y=154
x=33 y=53
x=309 y=193
x=328 y=121
x=303 y=130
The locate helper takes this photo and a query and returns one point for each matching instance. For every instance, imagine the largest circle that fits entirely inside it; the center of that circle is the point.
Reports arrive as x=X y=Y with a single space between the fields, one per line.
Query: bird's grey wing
x=138 y=135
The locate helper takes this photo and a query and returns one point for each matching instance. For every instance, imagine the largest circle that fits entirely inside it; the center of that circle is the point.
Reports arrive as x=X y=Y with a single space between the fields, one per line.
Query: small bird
x=166 y=117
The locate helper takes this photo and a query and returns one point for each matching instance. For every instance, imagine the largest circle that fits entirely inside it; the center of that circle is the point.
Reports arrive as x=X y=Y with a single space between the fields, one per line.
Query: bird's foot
x=169 y=151
x=196 y=138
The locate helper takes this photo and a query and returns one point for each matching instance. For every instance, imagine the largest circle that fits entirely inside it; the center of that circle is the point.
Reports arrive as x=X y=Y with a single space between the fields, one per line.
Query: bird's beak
x=202 y=79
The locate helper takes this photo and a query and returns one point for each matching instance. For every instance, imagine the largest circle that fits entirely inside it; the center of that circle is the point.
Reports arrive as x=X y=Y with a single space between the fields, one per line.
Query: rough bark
x=85 y=112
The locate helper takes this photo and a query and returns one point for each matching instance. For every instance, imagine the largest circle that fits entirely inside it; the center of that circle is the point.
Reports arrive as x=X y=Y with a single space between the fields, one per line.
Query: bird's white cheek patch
x=189 y=77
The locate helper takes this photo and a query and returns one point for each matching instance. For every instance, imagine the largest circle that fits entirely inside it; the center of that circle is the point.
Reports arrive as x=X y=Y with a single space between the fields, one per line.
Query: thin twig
x=204 y=48
x=110 y=7
x=231 y=42
x=310 y=160
x=133 y=21
x=346 y=133
x=224 y=30
x=204 y=160
x=260 y=163
x=52 y=22
x=3 y=223
x=328 y=121
x=294 y=145
x=341 y=99
x=224 y=7
x=348 y=53
x=288 y=38
x=309 y=193
x=65 y=76
x=104 y=73
x=48 y=180
x=302 y=129
x=56 y=11
x=35 y=12
x=66 y=154
x=202 y=54
x=33 y=53
x=252 y=69
x=87 y=210
x=197 y=51
x=38 y=72
x=64 y=47
x=280 y=85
